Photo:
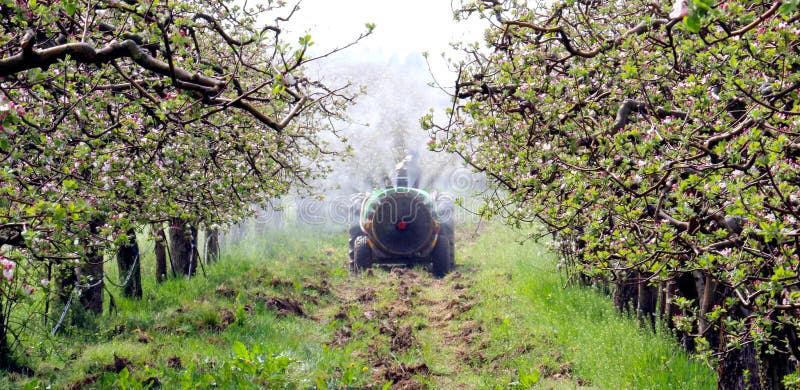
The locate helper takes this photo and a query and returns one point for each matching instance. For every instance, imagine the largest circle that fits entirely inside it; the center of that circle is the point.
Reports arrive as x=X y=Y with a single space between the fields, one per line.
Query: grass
x=573 y=329
x=200 y=320
x=502 y=321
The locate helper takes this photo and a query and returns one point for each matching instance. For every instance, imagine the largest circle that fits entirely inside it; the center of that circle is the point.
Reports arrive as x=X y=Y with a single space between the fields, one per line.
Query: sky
x=404 y=29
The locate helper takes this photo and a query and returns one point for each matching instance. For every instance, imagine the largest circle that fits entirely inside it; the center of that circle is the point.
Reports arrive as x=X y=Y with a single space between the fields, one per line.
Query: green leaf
x=788 y=7
x=124 y=374
x=703 y=5
x=33 y=385
x=70 y=7
x=528 y=380
x=692 y=22
x=240 y=351
x=69 y=184
x=59 y=212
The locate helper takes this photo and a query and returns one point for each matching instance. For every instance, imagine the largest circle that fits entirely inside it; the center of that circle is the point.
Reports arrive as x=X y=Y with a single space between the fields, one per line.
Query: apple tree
x=116 y=115
x=658 y=143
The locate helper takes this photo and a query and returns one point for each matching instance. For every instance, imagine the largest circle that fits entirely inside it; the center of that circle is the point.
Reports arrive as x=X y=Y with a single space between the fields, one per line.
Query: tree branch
x=630 y=105
x=567 y=41
x=87 y=54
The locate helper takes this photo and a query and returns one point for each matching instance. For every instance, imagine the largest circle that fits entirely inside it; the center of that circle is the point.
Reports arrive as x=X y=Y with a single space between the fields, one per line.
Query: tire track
x=416 y=329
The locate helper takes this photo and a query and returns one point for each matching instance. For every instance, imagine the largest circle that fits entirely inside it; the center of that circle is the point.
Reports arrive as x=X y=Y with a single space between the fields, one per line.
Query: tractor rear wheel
x=355 y=232
x=452 y=253
x=362 y=254
x=442 y=257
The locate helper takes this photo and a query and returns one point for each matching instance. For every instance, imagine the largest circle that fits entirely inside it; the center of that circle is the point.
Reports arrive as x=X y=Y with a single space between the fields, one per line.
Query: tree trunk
x=706 y=302
x=625 y=291
x=91 y=279
x=90 y=275
x=65 y=283
x=5 y=353
x=738 y=370
x=668 y=296
x=128 y=262
x=161 y=253
x=773 y=367
x=212 y=246
x=645 y=297
x=196 y=260
x=65 y=280
x=182 y=238
x=661 y=297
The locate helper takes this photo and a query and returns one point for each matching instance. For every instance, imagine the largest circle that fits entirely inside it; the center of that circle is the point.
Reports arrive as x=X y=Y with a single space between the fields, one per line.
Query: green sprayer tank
x=403 y=225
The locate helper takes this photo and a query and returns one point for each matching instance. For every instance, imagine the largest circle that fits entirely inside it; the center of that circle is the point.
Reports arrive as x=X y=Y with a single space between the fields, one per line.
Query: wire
x=127 y=278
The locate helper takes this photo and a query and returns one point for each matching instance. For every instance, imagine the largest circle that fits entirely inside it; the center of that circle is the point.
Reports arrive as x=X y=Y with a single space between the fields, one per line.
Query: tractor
x=402 y=225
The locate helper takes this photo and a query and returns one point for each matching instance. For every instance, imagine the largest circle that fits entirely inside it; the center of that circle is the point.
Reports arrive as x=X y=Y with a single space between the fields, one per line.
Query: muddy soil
x=391 y=310
x=418 y=332
x=285 y=306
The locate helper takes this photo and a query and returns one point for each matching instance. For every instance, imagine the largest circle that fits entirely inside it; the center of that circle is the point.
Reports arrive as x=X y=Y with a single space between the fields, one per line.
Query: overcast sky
x=403 y=28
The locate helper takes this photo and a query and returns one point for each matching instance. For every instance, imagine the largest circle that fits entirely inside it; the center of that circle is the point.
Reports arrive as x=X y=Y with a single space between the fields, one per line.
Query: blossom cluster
x=8 y=268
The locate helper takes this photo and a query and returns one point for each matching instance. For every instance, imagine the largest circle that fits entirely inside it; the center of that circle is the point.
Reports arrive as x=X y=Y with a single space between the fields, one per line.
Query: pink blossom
x=27 y=289
x=8 y=268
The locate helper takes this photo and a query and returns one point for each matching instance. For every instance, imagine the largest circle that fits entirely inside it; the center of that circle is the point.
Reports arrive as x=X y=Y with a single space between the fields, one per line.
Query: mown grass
x=532 y=332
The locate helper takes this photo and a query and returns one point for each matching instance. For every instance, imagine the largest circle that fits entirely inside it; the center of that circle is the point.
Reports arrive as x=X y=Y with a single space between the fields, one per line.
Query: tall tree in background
x=660 y=145
x=137 y=112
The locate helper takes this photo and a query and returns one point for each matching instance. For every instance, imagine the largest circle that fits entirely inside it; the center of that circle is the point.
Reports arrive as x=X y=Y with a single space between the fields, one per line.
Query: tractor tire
x=447 y=231
x=355 y=232
x=442 y=257
x=362 y=254
x=452 y=253
x=351 y=247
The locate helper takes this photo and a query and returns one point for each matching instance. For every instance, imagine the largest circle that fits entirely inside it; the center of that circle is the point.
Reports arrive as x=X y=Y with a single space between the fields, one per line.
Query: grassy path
x=504 y=320
x=282 y=312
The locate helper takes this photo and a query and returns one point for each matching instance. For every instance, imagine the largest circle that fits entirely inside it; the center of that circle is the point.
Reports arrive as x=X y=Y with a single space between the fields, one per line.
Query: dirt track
x=402 y=312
